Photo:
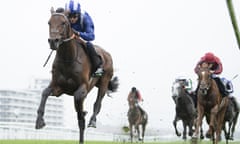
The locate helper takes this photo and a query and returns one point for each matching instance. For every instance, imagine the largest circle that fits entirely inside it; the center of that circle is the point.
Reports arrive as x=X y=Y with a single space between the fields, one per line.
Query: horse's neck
x=134 y=109
x=67 y=50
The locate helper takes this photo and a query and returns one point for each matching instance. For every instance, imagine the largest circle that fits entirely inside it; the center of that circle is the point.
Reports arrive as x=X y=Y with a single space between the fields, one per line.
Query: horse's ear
x=52 y=10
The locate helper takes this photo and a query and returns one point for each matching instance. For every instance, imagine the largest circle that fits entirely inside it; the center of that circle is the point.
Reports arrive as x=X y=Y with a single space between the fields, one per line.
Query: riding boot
x=221 y=87
x=95 y=59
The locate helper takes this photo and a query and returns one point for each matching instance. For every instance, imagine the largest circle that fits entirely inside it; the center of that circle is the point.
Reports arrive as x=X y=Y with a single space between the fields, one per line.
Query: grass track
x=97 y=142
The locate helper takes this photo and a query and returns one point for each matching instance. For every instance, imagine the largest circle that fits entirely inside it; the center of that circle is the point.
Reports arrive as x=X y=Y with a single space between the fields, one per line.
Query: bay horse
x=210 y=104
x=185 y=109
x=71 y=72
x=137 y=117
x=230 y=118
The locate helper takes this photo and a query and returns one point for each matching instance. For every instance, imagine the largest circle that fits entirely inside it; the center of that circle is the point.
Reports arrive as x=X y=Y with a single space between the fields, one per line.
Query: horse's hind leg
x=40 y=121
x=79 y=97
x=233 y=126
x=98 y=103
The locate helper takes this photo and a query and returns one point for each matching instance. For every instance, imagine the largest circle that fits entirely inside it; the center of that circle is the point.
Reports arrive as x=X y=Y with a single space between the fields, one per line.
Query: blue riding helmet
x=73 y=7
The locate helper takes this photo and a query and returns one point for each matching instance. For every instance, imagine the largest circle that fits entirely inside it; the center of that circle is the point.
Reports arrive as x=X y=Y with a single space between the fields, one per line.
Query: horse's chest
x=208 y=102
x=66 y=76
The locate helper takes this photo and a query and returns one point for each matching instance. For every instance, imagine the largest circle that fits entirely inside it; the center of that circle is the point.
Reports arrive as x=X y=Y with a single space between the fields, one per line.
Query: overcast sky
x=151 y=41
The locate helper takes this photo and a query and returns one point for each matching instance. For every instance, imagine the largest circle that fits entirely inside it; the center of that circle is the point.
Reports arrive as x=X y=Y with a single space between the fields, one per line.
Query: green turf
x=98 y=142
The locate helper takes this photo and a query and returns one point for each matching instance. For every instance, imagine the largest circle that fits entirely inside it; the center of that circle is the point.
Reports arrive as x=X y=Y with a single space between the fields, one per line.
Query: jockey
x=187 y=87
x=224 y=85
x=83 y=27
x=216 y=67
x=137 y=96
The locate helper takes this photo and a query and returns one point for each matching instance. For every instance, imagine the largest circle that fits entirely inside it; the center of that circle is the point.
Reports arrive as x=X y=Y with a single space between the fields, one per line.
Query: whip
x=47 y=58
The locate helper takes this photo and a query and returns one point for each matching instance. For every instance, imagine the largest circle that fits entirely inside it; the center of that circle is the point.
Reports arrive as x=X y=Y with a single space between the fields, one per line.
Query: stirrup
x=98 y=72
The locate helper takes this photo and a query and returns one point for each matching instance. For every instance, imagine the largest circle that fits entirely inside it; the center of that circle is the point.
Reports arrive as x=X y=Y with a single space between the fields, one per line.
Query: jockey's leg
x=221 y=86
x=96 y=59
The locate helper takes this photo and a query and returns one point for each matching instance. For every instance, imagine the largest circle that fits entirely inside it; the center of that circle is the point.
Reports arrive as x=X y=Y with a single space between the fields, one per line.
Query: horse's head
x=204 y=78
x=177 y=88
x=59 y=29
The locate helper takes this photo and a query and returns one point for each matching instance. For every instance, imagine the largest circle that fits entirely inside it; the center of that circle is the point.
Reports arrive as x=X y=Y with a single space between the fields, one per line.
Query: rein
x=70 y=38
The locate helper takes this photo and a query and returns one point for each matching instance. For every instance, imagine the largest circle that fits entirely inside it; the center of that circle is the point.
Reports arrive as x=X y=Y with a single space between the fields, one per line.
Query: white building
x=18 y=113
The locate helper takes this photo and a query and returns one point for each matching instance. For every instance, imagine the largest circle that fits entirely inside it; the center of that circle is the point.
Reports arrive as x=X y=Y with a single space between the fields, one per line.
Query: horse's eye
x=63 y=23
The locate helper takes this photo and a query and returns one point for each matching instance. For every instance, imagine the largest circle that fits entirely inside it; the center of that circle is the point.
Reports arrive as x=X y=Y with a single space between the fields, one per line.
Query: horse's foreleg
x=184 y=130
x=220 y=118
x=175 y=126
x=97 y=105
x=143 y=131
x=138 y=133
x=131 y=132
x=198 y=121
x=226 y=134
x=190 y=127
x=40 y=112
x=79 y=97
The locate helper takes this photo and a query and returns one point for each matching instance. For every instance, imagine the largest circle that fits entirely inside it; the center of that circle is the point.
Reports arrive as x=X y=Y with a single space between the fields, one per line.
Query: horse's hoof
x=184 y=138
x=92 y=124
x=190 y=133
x=208 y=135
x=179 y=134
x=194 y=140
x=40 y=123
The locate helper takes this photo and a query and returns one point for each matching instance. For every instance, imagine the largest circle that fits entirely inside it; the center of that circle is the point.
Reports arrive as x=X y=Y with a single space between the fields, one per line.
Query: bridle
x=205 y=80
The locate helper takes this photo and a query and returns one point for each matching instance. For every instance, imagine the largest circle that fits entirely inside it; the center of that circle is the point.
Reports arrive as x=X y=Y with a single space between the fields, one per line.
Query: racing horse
x=230 y=118
x=210 y=104
x=137 y=117
x=185 y=109
x=71 y=72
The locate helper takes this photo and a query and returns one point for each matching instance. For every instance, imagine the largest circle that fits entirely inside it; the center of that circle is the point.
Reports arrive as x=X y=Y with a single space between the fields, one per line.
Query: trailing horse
x=137 y=117
x=210 y=104
x=185 y=109
x=71 y=72
x=230 y=118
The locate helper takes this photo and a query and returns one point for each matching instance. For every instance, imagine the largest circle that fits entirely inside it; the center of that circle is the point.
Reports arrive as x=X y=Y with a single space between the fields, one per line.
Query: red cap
x=209 y=57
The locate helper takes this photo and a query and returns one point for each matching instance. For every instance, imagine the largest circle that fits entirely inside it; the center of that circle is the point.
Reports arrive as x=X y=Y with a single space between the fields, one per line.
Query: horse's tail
x=113 y=84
